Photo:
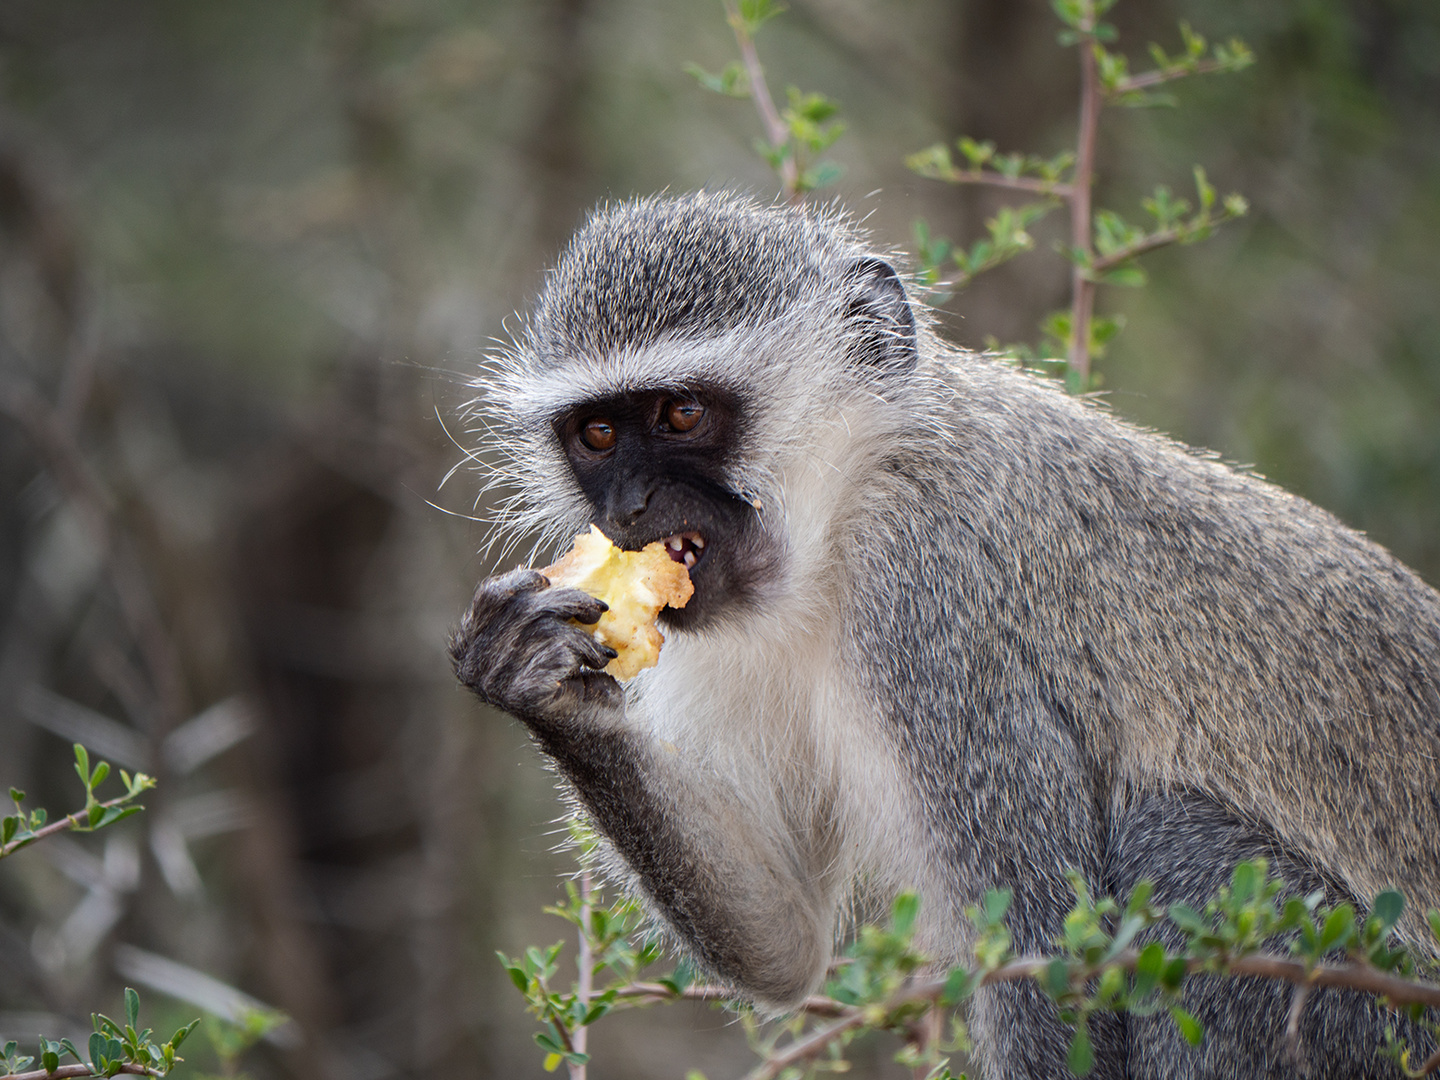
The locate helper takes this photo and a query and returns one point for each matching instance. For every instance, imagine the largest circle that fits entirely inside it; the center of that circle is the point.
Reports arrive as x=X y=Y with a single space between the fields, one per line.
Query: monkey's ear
x=879 y=317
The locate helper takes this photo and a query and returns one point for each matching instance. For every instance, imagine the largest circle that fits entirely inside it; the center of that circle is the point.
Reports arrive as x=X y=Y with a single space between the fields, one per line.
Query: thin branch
x=1163 y=238
x=1158 y=76
x=78 y=820
x=1349 y=976
x=647 y=993
x=1082 y=288
x=1298 y=998
x=1352 y=976
x=805 y=1049
x=776 y=130
x=585 y=963
x=66 y=1072
x=1142 y=247
x=1430 y=1065
x=991 y=178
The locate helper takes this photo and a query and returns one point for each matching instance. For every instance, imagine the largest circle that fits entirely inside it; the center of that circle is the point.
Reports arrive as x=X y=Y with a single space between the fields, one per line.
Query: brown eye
x=597 y=434
x=684 y=415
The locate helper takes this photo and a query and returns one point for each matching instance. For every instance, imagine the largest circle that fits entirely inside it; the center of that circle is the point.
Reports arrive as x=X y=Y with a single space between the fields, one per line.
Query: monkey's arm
x=750 y=904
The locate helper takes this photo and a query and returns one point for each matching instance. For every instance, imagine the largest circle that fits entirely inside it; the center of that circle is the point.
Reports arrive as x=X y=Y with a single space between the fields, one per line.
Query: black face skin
x=652 y=466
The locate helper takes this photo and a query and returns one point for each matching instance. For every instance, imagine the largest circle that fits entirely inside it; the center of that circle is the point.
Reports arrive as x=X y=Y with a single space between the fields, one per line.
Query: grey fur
x=1006 y=635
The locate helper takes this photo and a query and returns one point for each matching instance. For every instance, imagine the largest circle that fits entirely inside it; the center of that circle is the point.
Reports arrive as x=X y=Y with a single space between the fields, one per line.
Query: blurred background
x=250 y=254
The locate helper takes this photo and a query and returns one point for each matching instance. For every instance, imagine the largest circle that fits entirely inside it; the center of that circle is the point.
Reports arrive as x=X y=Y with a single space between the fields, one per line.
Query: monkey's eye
x=683 y=415
x=598 y=434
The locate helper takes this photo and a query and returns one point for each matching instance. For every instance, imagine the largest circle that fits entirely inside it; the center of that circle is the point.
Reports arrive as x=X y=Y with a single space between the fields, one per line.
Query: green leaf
x=1188 y=919
x=1250 y=875
x=1191 y=1028
x=1128 y=275
x=681 y=977
x=996 y=903
x=1082 y=1054
x=1148 y=967
x=822 y=174
x=113 y=814
x=97 y=1049
x=1338 y=928
x=132 y=1008
x=183 y=1034
x=1174 y=973
x=755 y=13
x=104 y=1023
x=904 y=912
x=1140 y=897
x=7 y=830
x=1112 y=982
x=976 y=153
x=1055 y=980
x=101 y=772
x=1387 y=909
x=17 y=795
x=732 y=81
x=94 y=814
x=82 y=764
x=959 y=985
x=49 y=1061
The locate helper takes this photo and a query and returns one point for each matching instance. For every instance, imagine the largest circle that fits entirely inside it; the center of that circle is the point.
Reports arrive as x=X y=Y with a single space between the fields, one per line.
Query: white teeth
x=698 y=541
x=689 y=560
x=676 y=543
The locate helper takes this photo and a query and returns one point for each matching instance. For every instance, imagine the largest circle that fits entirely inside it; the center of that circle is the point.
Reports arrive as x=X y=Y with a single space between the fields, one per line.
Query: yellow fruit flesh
x=636 y=585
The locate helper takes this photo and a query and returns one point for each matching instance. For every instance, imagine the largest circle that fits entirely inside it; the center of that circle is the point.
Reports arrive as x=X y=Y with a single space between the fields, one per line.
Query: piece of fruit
x=636 y=585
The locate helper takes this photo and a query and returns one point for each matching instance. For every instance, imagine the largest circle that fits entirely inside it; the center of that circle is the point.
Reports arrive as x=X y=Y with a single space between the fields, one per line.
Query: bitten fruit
x=636 y=585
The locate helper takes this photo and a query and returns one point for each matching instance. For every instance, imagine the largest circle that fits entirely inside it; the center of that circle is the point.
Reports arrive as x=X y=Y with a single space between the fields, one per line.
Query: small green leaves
x=732 y=80
x=903 y=914
x=11 y=1061
x=756 y=13
x=21 y=828
x=1191 y=1028
x=1082 y=1054
x=983 y=165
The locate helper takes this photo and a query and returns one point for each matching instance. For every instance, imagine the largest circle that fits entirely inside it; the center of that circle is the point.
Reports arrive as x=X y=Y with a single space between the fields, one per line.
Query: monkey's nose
x=627 y=502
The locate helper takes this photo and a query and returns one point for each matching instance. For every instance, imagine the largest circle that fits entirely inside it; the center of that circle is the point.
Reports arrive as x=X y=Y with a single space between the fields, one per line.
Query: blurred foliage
x=248 y=251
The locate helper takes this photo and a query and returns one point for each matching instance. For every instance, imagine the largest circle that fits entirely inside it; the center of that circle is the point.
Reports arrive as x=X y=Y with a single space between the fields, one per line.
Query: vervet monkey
x=952 y=630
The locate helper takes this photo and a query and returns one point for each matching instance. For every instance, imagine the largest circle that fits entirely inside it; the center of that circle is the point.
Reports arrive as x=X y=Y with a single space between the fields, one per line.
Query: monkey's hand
x=518 y=650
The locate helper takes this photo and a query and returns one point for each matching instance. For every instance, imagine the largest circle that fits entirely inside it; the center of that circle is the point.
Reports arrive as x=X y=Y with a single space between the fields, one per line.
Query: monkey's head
x=693 y=369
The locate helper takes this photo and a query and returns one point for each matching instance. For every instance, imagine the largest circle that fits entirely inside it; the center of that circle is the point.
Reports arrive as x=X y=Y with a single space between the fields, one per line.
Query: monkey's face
x=652 y=466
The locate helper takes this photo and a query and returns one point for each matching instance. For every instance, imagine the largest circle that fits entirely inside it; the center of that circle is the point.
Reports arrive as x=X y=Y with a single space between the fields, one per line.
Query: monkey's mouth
x=685 y=548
